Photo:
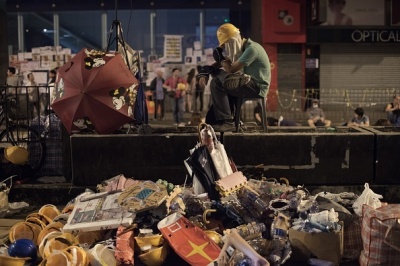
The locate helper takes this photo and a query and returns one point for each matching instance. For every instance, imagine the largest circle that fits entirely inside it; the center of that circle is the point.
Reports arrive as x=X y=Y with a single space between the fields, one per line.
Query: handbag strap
x=213 y=134
x=8 y=178
x=199 y=128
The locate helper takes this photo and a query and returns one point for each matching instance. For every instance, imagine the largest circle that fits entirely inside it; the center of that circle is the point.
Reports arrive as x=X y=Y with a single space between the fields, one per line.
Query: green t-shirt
x=257 y=65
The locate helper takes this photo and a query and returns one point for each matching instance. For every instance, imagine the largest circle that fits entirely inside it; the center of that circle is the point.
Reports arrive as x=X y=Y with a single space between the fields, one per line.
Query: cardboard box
x=324 y=246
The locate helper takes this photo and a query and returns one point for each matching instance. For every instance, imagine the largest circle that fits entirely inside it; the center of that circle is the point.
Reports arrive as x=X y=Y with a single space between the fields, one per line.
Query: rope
x=291 y=101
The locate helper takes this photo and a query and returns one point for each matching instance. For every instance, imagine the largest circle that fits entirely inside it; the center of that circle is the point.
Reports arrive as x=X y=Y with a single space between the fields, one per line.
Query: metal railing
x=337 y=103
x=30 y=105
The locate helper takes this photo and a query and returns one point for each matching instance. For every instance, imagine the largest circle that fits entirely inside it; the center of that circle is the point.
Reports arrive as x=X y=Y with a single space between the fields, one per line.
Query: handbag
x=171 y=93
x=4 y=190
x=231 y=183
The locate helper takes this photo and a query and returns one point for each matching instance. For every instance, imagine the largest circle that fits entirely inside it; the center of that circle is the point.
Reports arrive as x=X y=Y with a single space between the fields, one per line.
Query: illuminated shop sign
x=319 y=35
x=375 y=36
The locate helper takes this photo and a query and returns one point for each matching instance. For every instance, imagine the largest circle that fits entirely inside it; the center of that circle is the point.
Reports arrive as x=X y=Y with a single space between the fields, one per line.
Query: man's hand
x=217 y=54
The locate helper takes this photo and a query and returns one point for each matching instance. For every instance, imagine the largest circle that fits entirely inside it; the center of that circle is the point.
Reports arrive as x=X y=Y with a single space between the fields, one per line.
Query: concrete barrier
x=387 y=154
x=304 y=155
x=146 y=157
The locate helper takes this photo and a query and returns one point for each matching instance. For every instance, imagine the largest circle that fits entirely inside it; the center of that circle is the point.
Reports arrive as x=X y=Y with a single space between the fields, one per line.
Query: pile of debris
x=220 y=217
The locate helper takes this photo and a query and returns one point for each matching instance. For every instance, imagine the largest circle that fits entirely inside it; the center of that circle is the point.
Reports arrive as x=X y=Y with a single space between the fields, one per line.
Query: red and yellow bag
x=190 y=242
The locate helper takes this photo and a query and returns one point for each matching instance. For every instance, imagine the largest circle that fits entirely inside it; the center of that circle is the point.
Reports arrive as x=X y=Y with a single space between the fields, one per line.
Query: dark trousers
x=199 y=94
x=221 y=97
x=158 y=103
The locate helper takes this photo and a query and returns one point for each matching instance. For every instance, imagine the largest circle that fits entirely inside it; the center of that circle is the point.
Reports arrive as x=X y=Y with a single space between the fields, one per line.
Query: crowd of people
x=185 y=91
x=26 y=85
x=241 y=69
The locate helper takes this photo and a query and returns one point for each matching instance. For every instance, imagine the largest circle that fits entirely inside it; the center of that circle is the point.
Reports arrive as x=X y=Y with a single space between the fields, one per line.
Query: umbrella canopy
x=95 y=91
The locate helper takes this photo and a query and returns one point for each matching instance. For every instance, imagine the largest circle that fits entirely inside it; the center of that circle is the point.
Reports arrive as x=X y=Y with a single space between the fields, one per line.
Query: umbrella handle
x=205 y=215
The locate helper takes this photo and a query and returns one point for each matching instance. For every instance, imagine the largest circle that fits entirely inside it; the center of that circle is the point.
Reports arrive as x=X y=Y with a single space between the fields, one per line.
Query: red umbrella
x=95 y=91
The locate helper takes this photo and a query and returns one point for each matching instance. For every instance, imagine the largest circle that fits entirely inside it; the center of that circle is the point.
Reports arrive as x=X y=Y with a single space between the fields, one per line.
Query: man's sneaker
x=224 y=127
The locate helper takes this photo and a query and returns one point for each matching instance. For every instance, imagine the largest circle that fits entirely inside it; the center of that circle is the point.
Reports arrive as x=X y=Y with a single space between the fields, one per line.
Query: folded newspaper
x=99 y=211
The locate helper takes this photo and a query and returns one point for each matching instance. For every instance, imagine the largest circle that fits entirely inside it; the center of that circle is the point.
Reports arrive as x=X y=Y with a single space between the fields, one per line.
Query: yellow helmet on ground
x=225 y=32
x=16 y=155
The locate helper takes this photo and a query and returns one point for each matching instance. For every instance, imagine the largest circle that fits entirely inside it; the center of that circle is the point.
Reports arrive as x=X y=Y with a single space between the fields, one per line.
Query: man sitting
x=241 y=69
x=316 y=116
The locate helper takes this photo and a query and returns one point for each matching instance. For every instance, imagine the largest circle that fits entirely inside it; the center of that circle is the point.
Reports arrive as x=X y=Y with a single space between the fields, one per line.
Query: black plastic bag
x=203 y=167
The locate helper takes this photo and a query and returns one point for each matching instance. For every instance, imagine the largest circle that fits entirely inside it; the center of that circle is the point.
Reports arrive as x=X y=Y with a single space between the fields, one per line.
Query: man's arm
x=232 y=67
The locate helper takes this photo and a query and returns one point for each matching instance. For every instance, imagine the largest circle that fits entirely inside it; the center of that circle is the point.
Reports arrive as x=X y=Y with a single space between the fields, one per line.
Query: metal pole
x=21 y=41
x=201 y=22
x=104 y=29
x=152 y=29
x=56 y=29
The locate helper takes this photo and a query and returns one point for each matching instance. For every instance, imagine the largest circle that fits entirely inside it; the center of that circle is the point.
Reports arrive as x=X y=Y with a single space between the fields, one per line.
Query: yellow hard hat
x=225 y=32
x=12 y=261
x=16 y=155
x=155 y=256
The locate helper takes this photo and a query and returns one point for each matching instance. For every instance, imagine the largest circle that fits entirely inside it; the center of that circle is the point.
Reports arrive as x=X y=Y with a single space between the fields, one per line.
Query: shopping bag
x=352 y=235
x=4 y=190
x=203 y=168
x=392 y=236
x=219 y=157
x=369 y=198
x=188 y=241
x=375 y=224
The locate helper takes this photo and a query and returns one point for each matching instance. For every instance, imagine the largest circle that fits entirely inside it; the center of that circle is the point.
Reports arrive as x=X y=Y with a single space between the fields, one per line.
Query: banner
x=172 y=48
x=355 y=13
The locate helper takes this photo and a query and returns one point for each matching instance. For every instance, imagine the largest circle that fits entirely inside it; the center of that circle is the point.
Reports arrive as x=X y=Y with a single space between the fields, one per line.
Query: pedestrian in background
x=32 y=91
x=176 y=86
x=191 y=89
x=158 y=91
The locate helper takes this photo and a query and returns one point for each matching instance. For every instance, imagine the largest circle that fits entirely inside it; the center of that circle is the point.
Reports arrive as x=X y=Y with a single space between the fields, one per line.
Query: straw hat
x=16 y=155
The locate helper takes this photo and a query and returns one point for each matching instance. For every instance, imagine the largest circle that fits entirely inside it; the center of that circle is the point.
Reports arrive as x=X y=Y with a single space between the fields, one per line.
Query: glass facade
x=80 y=29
